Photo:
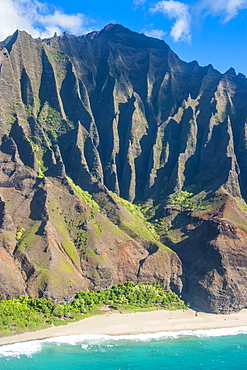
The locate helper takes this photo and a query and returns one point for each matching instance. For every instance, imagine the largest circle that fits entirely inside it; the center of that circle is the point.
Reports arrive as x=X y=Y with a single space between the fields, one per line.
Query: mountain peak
x=116 y=28
x=231 y=71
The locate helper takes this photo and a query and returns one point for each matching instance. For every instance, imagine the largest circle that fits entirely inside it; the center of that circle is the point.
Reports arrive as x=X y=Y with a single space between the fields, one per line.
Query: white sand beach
x=137 y=323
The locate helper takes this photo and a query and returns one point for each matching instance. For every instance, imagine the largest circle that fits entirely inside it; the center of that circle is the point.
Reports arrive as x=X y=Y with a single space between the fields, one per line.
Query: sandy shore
x=136 y=323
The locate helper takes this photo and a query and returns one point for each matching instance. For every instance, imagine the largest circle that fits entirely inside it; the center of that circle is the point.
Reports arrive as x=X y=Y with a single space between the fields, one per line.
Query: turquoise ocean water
x=208 y=349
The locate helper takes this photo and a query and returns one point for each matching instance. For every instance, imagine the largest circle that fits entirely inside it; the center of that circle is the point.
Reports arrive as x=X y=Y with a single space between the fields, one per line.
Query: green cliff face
x=119 y=113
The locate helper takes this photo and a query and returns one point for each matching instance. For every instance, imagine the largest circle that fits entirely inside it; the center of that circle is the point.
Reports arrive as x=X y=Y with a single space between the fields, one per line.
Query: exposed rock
x=146 y=122
x=118 y=111
x=214 y=260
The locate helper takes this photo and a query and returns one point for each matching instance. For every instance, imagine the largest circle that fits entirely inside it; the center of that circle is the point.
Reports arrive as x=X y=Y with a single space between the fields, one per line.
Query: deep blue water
x=199 y=350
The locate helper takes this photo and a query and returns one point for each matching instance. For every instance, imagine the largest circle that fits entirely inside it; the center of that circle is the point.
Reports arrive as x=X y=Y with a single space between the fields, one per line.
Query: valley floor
x=137 y=323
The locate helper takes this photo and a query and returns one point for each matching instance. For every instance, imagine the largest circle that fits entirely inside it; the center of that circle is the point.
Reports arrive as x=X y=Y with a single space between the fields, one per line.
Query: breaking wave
x=29 y=348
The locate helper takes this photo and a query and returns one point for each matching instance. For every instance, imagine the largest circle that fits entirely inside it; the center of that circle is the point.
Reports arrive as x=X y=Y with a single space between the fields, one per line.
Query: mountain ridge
x=119 y=112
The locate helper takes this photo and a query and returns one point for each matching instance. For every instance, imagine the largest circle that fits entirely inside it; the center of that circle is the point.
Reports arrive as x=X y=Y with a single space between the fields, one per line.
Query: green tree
x=182 y=199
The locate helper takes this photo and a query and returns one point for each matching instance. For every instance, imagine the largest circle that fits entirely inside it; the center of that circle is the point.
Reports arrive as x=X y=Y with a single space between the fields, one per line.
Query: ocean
x=201 y=349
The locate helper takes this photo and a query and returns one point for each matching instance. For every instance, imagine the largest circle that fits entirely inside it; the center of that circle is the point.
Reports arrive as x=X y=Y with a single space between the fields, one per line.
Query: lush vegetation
x=84 y=196
x=23 y=313
x=182 y=199
x=138 y=225
x=186 y=201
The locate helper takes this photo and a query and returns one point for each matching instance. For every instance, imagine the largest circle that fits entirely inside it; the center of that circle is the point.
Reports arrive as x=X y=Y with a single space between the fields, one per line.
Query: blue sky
x=210 y=31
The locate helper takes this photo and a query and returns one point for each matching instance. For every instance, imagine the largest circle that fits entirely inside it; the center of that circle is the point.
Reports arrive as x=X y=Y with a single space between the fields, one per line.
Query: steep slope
x=117 y=111
x=211 y=244
x=55 y=243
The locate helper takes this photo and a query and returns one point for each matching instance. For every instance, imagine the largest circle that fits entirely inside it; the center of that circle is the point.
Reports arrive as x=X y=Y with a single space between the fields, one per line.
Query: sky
x=209 y=31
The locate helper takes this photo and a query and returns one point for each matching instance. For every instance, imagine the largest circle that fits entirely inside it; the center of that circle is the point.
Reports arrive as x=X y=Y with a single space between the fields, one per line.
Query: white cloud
x=139 y=2
x=227 y=9
x=158 y=34
x=39 y=19
x=180 y=12
x=62 y=21
x=183 y=13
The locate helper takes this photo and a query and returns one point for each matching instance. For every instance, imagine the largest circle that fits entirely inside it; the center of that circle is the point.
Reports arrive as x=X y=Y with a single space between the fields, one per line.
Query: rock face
x=215 y=265
x=125 y=111
x=213 y=252
x=115 y=111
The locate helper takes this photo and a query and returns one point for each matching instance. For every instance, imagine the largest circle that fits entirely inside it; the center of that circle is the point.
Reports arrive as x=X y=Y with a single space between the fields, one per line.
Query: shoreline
x=116 y=324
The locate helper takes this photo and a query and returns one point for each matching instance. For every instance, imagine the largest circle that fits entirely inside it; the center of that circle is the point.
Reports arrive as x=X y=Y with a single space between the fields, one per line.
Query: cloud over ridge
x=178 y=11
x=39 y=19
x=181 y=13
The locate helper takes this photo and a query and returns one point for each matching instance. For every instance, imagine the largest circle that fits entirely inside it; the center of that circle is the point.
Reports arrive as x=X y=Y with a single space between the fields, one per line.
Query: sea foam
x=93 y=338
x=86 y=340
x=18 y=349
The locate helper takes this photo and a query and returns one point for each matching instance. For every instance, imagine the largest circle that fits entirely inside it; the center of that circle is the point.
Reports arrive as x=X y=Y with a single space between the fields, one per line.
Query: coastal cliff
x=91 y=124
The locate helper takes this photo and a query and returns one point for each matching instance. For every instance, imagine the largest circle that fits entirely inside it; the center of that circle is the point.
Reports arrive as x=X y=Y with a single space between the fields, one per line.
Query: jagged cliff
x=119 y=111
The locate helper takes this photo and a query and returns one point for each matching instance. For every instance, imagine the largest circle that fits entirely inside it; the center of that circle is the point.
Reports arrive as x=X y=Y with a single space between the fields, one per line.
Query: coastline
x=115 y=324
